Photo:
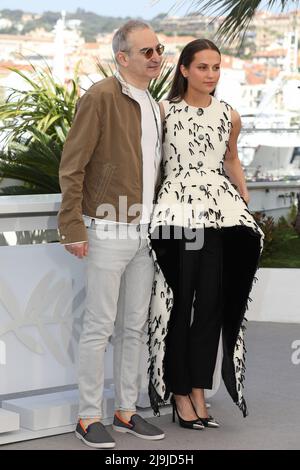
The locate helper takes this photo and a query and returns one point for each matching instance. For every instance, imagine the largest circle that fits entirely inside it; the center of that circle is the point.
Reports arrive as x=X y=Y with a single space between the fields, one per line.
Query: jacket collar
x=125 y=88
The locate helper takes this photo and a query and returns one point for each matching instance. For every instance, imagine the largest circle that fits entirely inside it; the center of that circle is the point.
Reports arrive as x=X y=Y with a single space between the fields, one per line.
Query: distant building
x=190 y=24
x=269 y=27
x=73 y=24
x=272 y=58
x=5 y=23
x=174 y=45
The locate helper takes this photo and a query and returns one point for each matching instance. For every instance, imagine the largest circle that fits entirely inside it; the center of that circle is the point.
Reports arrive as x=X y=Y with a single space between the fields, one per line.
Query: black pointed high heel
x=209 y=422
x=193 y=424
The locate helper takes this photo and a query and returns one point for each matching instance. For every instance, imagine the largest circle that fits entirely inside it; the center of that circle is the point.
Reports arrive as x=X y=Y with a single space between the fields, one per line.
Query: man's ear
x=122 y=58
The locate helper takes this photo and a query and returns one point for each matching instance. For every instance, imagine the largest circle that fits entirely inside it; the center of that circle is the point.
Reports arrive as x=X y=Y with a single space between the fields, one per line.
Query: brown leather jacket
x=102 y=157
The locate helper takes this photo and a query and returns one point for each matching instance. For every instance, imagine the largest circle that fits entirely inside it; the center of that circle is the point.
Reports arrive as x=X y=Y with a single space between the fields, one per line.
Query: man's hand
x=78 y=249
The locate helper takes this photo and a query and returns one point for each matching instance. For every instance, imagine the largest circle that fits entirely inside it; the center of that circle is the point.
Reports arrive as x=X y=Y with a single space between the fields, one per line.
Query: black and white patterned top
x=195 y=192
x=194 y=148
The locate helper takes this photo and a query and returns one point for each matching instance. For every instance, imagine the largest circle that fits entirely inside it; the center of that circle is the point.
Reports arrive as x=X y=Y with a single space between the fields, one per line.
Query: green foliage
x=267 y=224
x=292 y=215
x=281 y=244
x=285 y=250
x=91 y=23
x=106 y=70
x=2 y=95
x=11 y=30
x=46 y=21
x=13 y=15
x=36 y=122
x=45 y=104
x=36 y=164
x=160 y=86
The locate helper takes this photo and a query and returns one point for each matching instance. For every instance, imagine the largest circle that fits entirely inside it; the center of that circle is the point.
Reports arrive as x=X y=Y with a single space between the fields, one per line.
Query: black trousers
x=195 y=276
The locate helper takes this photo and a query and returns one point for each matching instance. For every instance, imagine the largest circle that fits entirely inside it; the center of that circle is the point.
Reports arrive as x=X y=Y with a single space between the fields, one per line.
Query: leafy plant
x=106 y=71
x=281 y=243
x=160 y=86
x=291 y=217
x=35 y=123
x=44 y=104
x=35 y=163
x=296 y=221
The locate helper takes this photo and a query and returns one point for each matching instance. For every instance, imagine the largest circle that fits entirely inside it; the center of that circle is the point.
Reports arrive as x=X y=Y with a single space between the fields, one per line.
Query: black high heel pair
x=192 y=424
x=209 y=422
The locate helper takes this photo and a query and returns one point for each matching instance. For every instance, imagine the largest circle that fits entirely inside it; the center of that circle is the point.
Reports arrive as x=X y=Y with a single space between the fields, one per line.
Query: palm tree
x=238 y=13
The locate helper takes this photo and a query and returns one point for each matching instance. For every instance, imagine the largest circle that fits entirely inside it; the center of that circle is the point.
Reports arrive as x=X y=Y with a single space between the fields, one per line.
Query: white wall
x=276 y=296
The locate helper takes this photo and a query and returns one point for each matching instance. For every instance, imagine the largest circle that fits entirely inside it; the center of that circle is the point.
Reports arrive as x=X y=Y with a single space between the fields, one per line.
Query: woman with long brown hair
x=206 y=263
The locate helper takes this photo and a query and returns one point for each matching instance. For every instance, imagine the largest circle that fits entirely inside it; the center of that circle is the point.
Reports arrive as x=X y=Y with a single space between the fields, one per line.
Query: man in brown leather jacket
x=107 y=176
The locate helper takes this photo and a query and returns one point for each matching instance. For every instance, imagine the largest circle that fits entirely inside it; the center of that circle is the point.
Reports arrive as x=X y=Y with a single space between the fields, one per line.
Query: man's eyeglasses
x=149 y=51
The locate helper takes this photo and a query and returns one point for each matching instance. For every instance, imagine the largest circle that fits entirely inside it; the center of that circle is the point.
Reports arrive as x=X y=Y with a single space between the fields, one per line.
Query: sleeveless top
x=195 y=191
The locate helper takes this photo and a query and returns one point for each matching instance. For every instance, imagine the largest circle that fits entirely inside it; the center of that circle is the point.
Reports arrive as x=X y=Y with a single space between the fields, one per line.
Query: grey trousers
x=119 y=282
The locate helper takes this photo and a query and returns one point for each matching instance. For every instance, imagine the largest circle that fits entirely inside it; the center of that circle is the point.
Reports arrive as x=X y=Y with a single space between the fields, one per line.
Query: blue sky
x=144 y=8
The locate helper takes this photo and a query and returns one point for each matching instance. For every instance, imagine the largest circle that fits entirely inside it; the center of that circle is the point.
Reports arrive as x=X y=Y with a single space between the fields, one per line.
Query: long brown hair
x=180 y=83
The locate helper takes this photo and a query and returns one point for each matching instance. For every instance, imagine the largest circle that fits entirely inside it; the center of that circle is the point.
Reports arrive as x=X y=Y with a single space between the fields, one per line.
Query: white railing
x=275 y=198
x=29 y=212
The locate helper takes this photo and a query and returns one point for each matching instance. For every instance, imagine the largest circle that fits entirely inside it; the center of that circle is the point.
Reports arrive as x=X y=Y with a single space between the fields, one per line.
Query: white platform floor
x=272 y=391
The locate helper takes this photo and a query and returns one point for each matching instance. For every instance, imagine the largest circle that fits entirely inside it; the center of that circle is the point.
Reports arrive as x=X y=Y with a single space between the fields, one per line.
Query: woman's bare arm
x=232 y=164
